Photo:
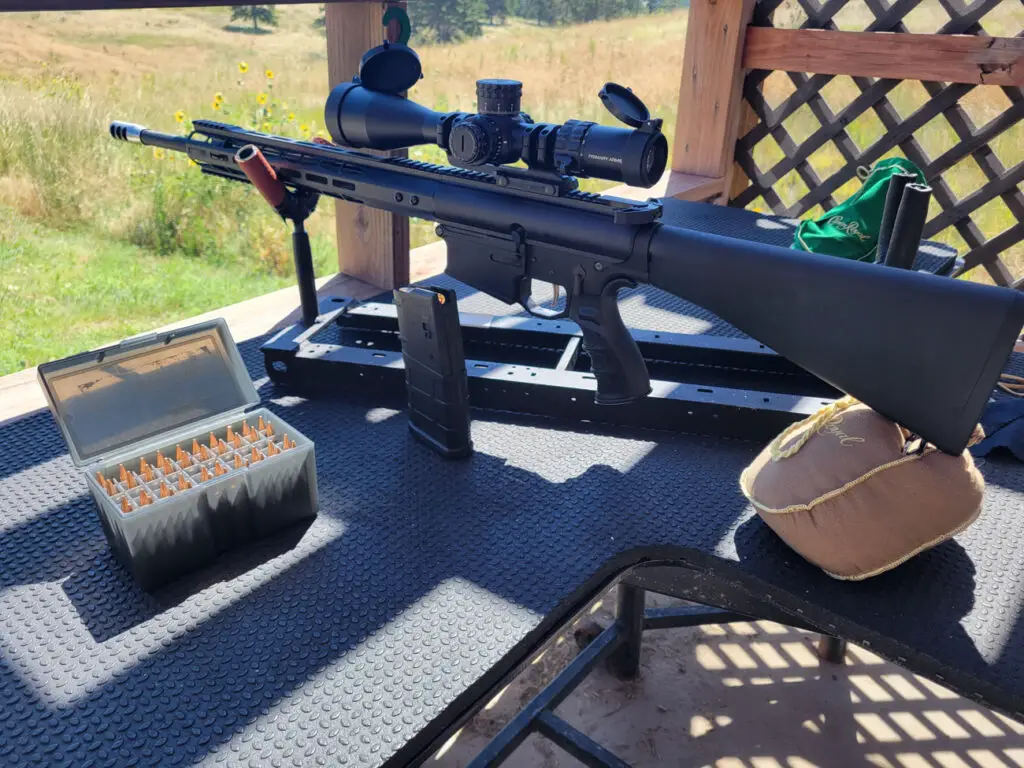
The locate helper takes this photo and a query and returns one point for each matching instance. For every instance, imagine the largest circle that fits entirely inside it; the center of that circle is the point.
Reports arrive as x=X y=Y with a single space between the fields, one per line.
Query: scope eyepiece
x=501 y=134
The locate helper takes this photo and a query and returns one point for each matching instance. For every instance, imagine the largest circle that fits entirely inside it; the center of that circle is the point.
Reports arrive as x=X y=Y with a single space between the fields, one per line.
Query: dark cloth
x=1003 y=422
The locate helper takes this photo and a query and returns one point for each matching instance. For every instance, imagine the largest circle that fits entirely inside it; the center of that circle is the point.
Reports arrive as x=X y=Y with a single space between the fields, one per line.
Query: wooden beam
x=682 y=186
x=892 y=55
x=108 y=5
x=373 y=245
x=711 y=88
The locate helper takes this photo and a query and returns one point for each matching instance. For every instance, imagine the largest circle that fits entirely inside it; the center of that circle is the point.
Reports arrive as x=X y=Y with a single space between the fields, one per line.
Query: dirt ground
x=747 y=694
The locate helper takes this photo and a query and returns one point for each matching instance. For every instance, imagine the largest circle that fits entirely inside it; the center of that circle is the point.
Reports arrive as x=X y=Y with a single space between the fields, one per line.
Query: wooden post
x=710 y=94
x=373 y=245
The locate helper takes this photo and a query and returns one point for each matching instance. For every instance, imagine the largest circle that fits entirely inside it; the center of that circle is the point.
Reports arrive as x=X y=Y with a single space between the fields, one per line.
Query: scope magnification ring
x=569 y=143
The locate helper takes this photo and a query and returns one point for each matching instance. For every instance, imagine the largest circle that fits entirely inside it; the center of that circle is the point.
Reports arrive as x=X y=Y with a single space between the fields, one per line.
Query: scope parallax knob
x=469 y=143
x=498 y=97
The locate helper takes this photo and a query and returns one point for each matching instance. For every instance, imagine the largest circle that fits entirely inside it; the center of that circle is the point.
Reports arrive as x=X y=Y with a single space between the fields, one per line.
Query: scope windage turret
x=500 y=134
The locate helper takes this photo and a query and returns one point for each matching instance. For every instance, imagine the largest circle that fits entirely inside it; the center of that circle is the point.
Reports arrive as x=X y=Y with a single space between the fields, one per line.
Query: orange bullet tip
x=183 y=483
x=230 y=433
x=185 y=460
x=239 y=462
x=269 y=431
x=126 y=506
x=260 y=425
x=245 y=429
x=111 y=488
x=204 y=453
x=123 y=472
x=131 y=480
x=236 y=440
x=147 y=474
x=179 y=455
x=204 y=474
x=102 y=480
x=272 y=449
x=256 y=456
x=142 y=465
x=220 y=469
x=286 y=443
x=144 y=499
x=165 y=492
x=213 y=442
x=222 y=448
x=195 y=445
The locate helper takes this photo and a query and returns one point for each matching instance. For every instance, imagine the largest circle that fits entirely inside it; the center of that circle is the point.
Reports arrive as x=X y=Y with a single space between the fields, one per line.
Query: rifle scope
x=361 y=117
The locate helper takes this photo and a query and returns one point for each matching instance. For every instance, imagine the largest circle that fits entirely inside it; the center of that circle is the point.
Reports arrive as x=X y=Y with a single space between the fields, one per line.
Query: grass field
x=99 y=240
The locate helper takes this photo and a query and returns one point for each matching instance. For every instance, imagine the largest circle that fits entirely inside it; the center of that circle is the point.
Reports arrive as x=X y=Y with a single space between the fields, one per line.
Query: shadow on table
x=408 y=526
x=109 y=602
x=917 y=605
x=29 y=441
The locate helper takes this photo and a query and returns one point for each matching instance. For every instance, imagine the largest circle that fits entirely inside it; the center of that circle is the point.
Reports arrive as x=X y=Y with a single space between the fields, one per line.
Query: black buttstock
x=924 y=351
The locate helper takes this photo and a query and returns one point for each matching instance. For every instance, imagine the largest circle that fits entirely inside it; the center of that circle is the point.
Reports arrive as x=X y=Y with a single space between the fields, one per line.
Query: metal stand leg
x=831 y=649
x=629 y=615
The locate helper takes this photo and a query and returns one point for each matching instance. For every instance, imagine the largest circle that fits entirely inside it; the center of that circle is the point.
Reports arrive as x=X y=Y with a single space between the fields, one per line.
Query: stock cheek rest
x=842 y=491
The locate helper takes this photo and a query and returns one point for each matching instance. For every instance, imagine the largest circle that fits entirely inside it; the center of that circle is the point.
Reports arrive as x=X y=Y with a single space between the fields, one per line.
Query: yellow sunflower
x=218 y=97
x=261 y=99
x=304 y=128
x=291 y=117
x=266 y=127
x=158 y=153
x=216 y=106
x=180 y=116
x=270 y=74
x=243 y=67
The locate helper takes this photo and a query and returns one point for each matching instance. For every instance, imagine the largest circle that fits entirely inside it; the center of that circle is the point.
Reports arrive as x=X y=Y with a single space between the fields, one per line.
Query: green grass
x=99 y=239
x=62 y=292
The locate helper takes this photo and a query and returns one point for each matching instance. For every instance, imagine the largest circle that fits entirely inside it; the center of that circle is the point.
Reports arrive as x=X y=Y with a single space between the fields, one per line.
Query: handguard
x=615 y=359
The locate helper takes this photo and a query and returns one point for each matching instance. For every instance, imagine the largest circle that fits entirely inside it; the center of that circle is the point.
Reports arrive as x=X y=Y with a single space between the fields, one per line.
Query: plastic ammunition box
x=179 y=468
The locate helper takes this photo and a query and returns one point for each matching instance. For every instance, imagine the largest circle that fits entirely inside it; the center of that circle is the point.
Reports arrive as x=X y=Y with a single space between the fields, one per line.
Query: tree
x=497 y=8
x=320 y=22
x=450 y=20
x=265 y=13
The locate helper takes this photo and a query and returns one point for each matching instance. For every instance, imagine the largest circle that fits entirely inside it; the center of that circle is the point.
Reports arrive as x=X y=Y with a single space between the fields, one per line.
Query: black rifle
x=922 y=350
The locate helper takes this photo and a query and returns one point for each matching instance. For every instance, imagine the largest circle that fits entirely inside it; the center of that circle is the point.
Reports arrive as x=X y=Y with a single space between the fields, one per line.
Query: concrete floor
x=749 y=694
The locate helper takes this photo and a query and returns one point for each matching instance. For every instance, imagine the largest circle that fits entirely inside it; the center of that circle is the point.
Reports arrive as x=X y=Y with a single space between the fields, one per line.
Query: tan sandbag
x=842 y=490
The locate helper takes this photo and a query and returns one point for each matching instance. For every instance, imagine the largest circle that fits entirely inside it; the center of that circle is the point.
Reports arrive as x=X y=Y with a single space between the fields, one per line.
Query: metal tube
x=303 y=256
x=906 y=232
x=629 y=615
x=513 y=734
x=893 y=196
x=831 y=649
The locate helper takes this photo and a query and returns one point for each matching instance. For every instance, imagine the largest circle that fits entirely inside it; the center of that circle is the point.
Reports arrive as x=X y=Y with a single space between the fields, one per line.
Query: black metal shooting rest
x=370 y=636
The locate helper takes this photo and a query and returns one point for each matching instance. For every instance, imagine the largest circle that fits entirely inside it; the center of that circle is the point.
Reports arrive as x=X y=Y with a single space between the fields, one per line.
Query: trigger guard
x=537 y=310
x=616 y=285
x=533 y=308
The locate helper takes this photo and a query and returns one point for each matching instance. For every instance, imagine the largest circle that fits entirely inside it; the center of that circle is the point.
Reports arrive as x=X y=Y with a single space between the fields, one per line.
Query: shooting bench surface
x=423 y=583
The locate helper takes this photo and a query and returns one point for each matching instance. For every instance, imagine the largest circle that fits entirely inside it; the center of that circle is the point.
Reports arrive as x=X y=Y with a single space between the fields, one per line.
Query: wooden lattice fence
x=803 y=136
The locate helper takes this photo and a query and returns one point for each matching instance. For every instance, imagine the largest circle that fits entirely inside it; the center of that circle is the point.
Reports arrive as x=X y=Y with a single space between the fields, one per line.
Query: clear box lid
x=108 y=399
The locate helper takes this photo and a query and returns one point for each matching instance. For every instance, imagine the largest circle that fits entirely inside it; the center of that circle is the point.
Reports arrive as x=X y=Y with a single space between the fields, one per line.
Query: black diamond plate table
x=360 y=639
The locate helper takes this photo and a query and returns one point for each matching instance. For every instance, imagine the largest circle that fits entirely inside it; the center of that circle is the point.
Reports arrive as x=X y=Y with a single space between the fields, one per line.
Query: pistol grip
x=615 y=358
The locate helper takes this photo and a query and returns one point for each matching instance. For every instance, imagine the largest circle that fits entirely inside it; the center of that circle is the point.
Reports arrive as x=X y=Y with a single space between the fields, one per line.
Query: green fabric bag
x=850 y=230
